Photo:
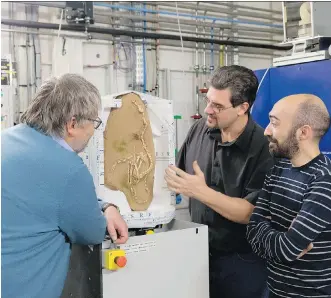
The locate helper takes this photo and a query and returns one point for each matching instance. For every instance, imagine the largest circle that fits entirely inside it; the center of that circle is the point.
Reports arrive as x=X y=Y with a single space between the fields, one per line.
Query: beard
x=288 y=149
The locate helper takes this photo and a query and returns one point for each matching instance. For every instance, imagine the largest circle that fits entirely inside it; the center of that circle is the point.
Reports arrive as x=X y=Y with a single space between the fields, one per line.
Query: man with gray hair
x=48 y=196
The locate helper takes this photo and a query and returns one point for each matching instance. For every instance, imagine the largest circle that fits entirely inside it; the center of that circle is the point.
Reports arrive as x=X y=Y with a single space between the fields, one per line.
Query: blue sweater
x=47 y=196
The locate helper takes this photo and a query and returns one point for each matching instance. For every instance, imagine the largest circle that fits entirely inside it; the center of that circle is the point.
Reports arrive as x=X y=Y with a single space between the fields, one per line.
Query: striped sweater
x=292 y=211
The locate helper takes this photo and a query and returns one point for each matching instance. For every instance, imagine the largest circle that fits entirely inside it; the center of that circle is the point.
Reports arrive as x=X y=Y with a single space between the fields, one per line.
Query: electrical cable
x=180 y=32
x=58 y=33
x=128 y=50
x=258 y=88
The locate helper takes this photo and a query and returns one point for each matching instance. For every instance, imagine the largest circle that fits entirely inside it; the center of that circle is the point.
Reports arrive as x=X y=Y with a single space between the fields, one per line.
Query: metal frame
x=79 y=12
x=301 y=58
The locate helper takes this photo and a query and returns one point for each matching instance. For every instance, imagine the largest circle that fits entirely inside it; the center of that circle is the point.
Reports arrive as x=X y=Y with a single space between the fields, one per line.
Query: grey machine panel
x=172 y=263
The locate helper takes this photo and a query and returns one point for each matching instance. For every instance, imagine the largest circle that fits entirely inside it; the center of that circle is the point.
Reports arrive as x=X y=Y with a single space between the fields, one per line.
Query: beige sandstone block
x=129 y=153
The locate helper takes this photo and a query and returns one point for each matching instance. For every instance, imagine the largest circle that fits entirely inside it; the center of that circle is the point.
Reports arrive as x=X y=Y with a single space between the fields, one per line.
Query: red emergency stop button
x=120 y=261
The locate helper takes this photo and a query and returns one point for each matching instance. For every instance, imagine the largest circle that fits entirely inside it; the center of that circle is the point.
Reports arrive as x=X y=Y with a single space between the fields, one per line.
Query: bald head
x=297 y=123
x=307 y=109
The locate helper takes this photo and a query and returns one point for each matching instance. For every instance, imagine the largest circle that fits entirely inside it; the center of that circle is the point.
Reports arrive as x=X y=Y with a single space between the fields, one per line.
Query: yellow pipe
x=221 y=55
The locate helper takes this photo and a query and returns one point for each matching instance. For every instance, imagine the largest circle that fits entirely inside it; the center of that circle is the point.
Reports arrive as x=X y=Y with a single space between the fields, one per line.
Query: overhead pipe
x=56 y=4
x=148 y=35
x=175 y=29
x=63 y=5
x=160 y=12
x=223 y=10
x=236 y=6
x=189 y=22
x=96 y=36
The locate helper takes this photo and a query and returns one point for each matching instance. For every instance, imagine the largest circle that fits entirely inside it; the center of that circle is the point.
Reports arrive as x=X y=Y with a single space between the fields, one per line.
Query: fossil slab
x=129 y=153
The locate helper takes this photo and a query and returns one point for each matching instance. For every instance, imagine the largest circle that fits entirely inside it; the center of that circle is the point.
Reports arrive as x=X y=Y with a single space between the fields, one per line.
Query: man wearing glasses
x=48 y=198
x=221 y=167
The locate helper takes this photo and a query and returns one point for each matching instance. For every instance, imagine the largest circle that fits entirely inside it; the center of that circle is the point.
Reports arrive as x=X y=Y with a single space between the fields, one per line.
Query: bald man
x=291 y=223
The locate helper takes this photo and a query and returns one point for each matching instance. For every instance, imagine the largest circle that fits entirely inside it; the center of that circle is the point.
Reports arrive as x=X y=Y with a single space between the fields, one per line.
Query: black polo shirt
x=236 y=169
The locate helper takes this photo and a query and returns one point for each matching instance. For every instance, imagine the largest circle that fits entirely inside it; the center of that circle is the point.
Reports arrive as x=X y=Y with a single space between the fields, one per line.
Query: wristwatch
x=106 y=205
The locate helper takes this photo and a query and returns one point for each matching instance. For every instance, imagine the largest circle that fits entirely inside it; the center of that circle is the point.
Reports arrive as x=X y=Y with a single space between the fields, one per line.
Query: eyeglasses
x=97 y=122
x=216 y=107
